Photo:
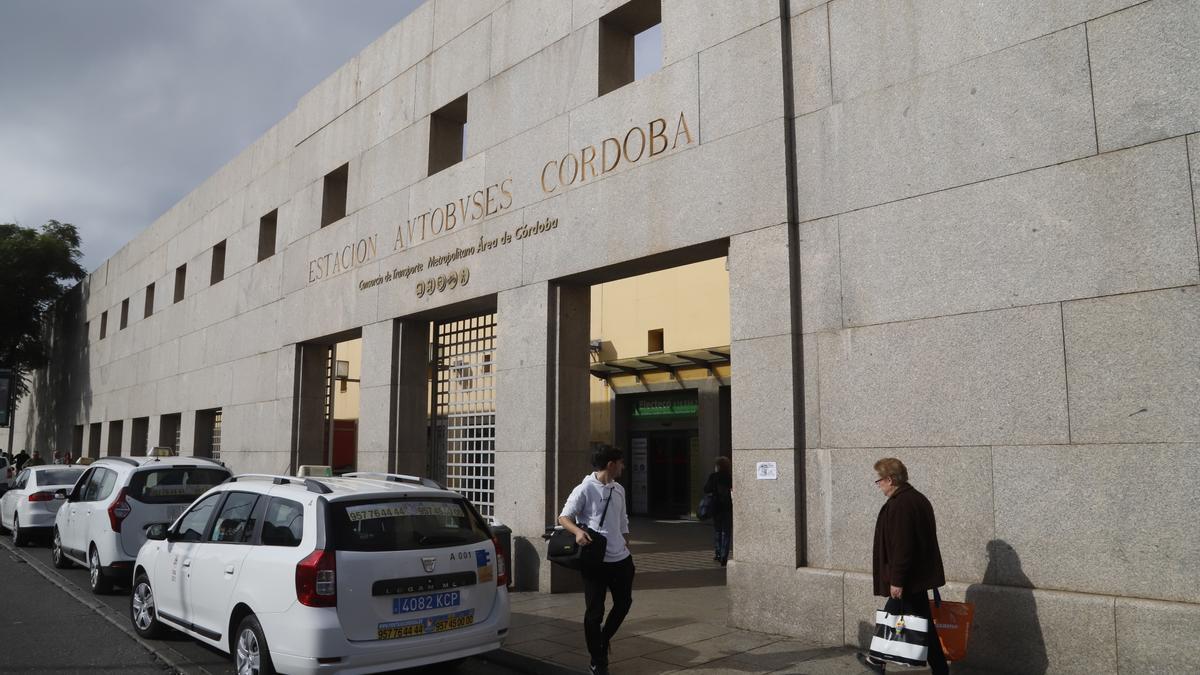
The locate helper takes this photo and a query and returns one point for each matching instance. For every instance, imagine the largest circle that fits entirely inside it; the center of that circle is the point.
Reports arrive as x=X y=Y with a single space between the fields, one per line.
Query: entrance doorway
x=670 y=457
x=328 y=381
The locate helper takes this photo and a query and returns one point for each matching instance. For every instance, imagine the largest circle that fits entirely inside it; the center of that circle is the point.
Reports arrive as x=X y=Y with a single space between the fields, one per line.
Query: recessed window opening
x=169 y=427
x=266 y=235
x=208 y=433
x=149 y=302
x=218 y=263
x=94 y=439
x=115 y=430
x=180 y=282
x=448 y=135
x=103 y=325
x=654 y=341
x=124 y=313
x=139 y=438
x=333 y=197
x=630 y=43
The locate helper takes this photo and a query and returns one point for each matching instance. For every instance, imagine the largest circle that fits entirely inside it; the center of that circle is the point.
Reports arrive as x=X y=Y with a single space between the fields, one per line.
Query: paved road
x=56 y=625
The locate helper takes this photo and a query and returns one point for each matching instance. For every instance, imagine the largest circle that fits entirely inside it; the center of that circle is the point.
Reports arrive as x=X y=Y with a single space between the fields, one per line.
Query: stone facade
x=991 y=273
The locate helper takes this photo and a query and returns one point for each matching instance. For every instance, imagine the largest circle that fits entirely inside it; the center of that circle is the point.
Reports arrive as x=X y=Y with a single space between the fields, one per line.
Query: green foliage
x=35 y=266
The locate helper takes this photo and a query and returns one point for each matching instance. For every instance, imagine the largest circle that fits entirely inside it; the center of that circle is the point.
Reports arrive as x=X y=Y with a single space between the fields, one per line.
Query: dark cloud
x=110 y=112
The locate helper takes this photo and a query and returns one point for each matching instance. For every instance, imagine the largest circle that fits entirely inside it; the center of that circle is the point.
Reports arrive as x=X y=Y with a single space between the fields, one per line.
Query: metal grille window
x=464 y=407
x=216 y=435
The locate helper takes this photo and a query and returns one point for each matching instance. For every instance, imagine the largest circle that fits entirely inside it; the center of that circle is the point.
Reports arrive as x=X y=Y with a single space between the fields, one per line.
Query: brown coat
x=906 y=552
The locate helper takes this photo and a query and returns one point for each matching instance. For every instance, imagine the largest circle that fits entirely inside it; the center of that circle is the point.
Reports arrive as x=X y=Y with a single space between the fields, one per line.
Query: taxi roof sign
x=162 y=451
x=315 y=471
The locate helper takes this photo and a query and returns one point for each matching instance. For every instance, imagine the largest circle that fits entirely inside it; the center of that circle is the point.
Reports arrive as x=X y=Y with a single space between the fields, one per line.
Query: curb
x=104 y=611
x=526 y=664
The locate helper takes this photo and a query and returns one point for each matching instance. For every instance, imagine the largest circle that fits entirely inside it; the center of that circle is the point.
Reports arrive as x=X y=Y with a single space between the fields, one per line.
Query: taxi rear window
x=174 y=484
x=58 y=476
x=404 y=524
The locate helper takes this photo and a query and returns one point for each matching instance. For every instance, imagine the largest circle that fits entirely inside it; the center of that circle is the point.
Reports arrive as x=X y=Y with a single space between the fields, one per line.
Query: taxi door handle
x=187 y=563
x=229 y=569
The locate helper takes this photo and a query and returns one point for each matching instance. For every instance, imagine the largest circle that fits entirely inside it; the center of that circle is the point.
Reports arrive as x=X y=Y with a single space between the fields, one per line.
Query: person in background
x=720 y=486
x=36 y=460
x=57 y=458
x=20 y=459
x=69 y=459
x=906 y=560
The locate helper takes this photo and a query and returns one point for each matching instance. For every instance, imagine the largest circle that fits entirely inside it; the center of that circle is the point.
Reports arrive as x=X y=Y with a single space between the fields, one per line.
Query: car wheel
x=99 y=583
x=250 y=653
x=142 y=610
x=19 y=538
x=56 y=552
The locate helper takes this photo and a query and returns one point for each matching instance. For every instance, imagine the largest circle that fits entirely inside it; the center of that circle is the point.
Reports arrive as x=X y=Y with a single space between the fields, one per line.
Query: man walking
x=599 y=503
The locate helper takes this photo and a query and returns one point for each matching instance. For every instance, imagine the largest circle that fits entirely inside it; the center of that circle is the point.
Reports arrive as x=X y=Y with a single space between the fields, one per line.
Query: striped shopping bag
x=900 y=637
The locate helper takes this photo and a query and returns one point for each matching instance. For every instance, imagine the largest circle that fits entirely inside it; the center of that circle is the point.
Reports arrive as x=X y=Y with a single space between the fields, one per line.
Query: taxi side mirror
x=156 y=531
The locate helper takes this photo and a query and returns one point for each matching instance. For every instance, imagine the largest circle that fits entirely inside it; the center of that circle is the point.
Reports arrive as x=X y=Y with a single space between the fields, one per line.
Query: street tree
x=37 y=267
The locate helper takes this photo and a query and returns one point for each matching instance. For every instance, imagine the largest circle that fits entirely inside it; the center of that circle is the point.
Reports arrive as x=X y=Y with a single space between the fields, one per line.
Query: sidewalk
x=677 y=624
x=667 y=631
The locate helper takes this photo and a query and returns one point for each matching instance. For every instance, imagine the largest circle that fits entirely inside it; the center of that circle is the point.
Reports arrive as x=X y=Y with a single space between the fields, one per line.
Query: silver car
x=30 y=505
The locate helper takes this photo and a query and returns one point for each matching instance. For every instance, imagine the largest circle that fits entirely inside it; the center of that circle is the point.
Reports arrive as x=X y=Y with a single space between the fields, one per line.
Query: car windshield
x=58 y=476
x=174 y=484
x=405 y=524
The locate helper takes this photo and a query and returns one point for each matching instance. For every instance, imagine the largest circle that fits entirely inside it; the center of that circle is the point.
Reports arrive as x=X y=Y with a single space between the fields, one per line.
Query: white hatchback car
x=358 y=574
x=102 y=525
x=29 y=507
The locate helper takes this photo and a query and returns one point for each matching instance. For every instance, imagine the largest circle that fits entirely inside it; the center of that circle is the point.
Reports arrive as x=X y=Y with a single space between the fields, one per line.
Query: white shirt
x=586 y=506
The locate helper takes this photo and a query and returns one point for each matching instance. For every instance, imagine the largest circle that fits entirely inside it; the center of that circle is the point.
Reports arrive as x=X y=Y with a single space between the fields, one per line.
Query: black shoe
x=716 y=556
x=870 y=662
x=598 y=670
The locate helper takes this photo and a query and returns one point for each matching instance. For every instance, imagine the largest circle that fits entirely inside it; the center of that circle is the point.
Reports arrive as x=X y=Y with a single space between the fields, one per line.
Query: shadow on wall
x=1006 y=636
x=61 y=391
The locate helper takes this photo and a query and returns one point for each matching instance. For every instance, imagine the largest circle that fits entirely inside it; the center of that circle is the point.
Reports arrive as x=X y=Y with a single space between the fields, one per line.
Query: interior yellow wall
x=690 y=304
x=345 y=403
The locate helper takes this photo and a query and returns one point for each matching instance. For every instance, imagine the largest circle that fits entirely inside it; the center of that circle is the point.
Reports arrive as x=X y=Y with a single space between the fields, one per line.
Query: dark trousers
x=917 y=602
x=722 y=535
x=617 y=578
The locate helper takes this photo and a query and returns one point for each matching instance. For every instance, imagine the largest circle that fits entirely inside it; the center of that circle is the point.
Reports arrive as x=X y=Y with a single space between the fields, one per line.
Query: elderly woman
x=906 y=559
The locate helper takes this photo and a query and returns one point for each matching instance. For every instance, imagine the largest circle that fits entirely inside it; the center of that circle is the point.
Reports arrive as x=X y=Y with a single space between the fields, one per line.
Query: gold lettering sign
x=637 y=143
x=474 y=207
x=348 y=257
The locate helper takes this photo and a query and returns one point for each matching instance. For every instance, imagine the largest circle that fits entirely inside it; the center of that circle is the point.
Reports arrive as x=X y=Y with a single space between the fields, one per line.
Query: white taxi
x=30 y=506
x=358 y=574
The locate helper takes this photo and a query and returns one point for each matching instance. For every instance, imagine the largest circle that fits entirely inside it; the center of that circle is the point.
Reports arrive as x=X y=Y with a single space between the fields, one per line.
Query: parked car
x=8 y=472
x=102 y=524
x=29 y=506
x=362 y=573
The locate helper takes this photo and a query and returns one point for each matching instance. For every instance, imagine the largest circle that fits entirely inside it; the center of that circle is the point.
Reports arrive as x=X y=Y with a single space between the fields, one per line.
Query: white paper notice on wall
x=767 y=471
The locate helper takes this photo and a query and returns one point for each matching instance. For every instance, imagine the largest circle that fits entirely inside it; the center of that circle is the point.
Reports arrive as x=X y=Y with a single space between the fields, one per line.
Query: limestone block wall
x=999 y=273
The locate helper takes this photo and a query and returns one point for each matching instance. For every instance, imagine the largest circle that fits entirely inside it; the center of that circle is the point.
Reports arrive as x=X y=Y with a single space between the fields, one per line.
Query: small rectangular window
x=115 y=430
x=447 y=135
x=77 y=441
x=266 y=235
x=630 y=43
x=283 y=523
x=124 y=313
x=218 y=263
x=333 y=196
x=139 y=436
x=654 y=341
x=103 y=325
x=168 y=431
x=94 y=440
x=180 y=282
x=208 y=433
x=149 y=302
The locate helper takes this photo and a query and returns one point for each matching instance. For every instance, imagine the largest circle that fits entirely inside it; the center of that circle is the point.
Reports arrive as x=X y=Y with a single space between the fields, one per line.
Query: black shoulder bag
x=561 y=547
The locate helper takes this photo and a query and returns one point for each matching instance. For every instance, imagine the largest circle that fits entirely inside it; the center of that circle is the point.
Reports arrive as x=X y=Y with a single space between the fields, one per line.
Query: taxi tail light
x=41 y=497
x=118 y=510
x=316 y=579
x=501 y=564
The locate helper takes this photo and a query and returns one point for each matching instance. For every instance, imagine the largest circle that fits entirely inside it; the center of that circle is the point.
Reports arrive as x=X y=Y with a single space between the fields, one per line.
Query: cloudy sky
x=111 y=111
